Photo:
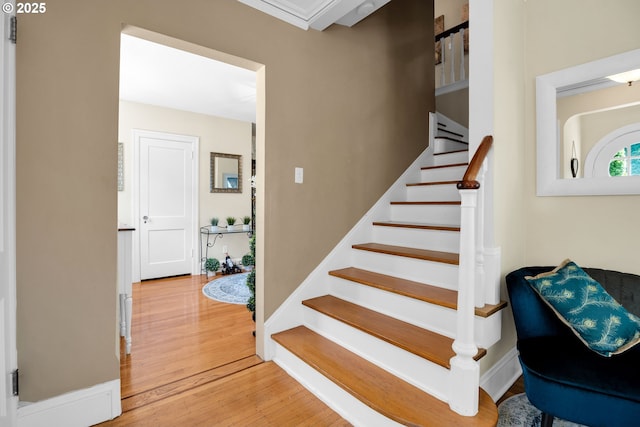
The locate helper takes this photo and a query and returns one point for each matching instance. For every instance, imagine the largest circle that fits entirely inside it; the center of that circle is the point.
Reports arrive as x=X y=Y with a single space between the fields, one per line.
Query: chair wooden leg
x=547 y=420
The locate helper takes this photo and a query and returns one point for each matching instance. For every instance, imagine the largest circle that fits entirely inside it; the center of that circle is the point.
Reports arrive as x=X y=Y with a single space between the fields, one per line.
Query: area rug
x=517 y=411
x=232 y=289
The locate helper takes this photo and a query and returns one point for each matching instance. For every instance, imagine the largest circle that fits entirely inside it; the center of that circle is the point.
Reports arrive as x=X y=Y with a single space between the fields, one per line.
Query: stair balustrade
x=452 y=55
x=464 y=369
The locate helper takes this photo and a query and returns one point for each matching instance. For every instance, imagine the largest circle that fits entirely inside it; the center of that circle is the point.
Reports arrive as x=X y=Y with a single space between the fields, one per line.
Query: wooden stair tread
x=414 y=339
x=417 y=184
x=453 y=165
x=423 y=254
x=377 y=388
x=420 y=291
x=401 y=224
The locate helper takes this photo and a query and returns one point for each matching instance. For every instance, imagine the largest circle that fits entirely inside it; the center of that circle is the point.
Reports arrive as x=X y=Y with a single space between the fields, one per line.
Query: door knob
x=145 y=219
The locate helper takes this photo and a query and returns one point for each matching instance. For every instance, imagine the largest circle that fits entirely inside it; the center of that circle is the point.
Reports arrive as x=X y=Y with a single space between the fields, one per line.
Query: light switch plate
x=299 y=175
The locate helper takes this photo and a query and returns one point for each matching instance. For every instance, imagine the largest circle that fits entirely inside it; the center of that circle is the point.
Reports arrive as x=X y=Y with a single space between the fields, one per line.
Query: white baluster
x=442 y=63
x=453 y=58
x=462 y=72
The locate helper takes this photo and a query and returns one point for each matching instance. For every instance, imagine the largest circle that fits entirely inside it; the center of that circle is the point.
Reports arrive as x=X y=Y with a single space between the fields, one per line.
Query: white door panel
x=166 y=205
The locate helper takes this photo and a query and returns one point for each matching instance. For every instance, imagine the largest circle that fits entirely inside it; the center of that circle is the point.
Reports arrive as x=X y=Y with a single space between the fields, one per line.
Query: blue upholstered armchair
x=562 y=376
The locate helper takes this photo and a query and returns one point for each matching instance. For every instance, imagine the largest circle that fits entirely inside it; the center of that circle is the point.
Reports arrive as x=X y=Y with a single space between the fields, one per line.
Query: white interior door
x=8 y=355
x=166 y=204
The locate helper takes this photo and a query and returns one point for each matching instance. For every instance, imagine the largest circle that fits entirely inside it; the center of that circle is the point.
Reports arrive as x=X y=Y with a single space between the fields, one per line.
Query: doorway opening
x=158 y=99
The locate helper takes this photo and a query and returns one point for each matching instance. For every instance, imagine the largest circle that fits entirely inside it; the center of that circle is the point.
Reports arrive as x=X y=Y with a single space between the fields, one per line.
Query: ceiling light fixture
x=626 y=77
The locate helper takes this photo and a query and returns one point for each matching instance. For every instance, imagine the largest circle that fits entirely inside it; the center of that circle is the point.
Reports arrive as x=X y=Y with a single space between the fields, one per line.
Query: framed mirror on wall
x=583 y=113
x=226 y=173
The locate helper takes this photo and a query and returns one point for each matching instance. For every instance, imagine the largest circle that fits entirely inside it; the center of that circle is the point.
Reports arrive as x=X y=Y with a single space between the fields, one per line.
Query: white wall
x=216 y=135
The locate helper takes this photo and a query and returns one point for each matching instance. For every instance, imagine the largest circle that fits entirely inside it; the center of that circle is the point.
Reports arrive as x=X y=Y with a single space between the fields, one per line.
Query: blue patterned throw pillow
x=604 y=325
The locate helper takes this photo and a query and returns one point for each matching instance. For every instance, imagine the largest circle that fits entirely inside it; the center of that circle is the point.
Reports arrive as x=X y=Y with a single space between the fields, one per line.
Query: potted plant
x=231 y=223
x=248 y=262
x=214 y=224
x=211 y=265
x=251 y=280
x=246 y=220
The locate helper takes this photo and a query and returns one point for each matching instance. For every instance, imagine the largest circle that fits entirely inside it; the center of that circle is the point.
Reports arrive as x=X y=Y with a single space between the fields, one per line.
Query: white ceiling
x=151 y=73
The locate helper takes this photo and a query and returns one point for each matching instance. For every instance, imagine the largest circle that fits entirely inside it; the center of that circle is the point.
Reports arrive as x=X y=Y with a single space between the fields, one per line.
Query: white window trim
x=596 y=164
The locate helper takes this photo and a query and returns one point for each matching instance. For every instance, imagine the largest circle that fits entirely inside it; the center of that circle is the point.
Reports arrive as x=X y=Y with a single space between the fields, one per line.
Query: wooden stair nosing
x=417 y=184
x=448 y=138
x=421 y=291
x=427 y=203
x=400 y=224
x=422 y=254
x=414 y=339
x=451 y=132
x=377 y=388
x=453 y=165
x=449 y=152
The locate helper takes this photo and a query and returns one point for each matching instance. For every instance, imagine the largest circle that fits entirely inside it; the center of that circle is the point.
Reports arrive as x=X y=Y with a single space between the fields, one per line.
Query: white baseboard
x=497 y=380
x=79 y=408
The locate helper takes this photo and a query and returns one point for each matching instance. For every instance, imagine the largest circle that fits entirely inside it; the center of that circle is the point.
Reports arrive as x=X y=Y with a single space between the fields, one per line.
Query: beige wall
x=348 y=105
x=530 y=230
x=216 y=134
x=594 y=231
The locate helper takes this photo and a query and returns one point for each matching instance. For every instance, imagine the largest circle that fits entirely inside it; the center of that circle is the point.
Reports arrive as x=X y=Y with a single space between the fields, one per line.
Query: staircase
x=372 y=331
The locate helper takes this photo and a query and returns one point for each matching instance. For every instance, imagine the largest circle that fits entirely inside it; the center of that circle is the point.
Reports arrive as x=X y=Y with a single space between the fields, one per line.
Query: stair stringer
x=289 y=314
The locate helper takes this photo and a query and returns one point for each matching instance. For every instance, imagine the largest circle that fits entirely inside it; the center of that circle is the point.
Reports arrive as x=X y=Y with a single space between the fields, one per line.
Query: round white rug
x=232 y=289
x=517 y=411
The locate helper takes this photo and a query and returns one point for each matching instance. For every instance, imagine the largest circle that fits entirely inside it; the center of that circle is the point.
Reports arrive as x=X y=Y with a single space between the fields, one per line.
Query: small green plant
x=247 y=260
x=214 y=221
x=231 y=220
x=251 y=279
x=246 y=220
x=212 y=264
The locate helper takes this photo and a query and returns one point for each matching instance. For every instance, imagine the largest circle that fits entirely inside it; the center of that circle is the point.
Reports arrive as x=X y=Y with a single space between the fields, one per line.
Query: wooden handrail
x=452 y=30
x=469 y=181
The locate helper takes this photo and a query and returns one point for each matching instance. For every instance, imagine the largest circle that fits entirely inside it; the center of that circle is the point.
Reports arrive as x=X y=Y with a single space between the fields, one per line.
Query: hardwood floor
x=193 y=363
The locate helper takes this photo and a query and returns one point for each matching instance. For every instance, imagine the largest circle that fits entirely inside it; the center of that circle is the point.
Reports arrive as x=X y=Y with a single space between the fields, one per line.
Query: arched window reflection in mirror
x=226 y=173
x=575 y=109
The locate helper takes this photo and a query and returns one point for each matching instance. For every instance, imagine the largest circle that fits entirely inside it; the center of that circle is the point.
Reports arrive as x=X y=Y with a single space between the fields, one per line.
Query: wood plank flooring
x=193 y=363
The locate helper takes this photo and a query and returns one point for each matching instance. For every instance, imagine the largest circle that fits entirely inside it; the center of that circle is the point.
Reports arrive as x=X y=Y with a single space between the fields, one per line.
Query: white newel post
x=465 y=372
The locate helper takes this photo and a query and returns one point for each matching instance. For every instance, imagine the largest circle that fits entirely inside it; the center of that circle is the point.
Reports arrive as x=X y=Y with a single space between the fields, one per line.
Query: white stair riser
x=413 y=369
x=436 y=240
x=435 y=273
x=443 y=174
x=435 y=318
x=432 y=193
x=442 y=145
x=451 y=158
x=426 y=214
x=342 y=402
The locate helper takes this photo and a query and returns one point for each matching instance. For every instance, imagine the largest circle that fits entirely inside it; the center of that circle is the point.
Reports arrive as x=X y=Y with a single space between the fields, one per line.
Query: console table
x=208 y=238
x=124 y=282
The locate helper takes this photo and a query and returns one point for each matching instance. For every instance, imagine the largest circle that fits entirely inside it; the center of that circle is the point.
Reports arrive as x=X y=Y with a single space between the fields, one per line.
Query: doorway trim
x=136 y=134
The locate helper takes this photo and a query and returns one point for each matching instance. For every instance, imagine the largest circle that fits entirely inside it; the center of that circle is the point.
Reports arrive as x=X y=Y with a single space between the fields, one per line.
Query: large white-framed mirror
x=580 y=114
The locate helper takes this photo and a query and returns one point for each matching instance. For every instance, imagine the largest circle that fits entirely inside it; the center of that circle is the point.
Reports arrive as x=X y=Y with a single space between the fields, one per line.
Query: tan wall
x=216 y=134
x=348 y=105
x=594 y=231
